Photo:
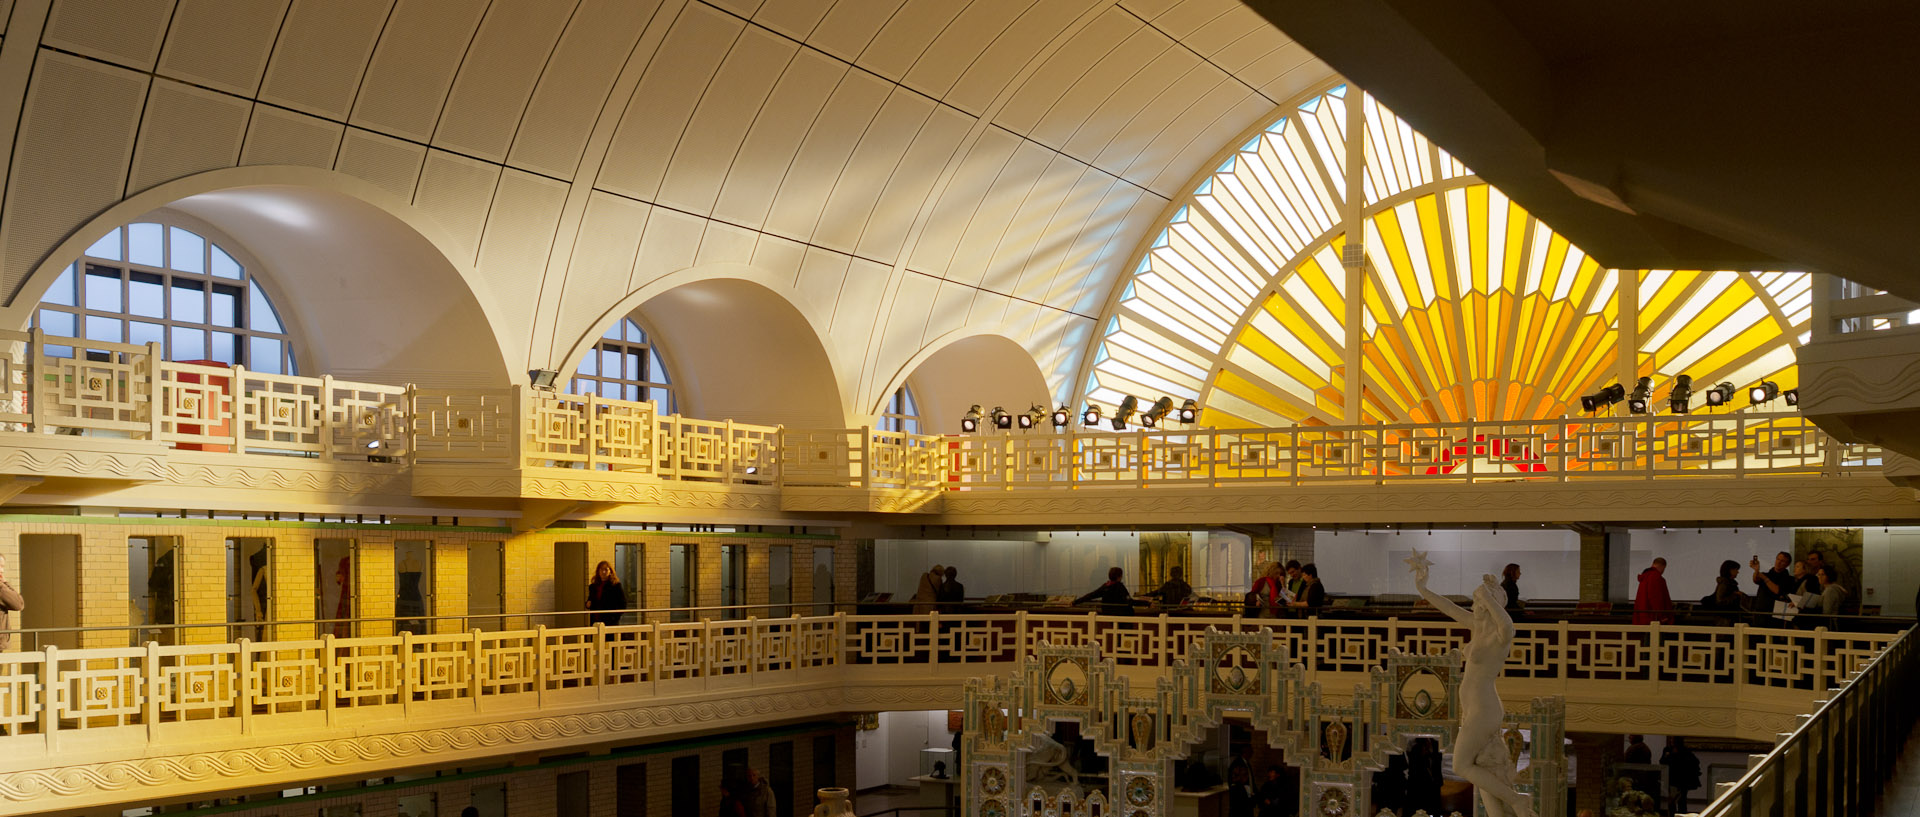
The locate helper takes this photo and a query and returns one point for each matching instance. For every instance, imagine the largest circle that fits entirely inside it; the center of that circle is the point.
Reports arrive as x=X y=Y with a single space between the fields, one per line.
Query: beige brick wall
x=449 y=583
x=103 y=596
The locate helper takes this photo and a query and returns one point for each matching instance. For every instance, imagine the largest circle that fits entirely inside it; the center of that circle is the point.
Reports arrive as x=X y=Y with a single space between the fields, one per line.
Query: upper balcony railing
x=129 y=391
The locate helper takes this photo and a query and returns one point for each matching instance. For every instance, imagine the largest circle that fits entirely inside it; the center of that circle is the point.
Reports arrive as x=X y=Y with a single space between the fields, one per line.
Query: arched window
x=624 y=365
x=160 y=282
x=1273 y=299
x=902 y=413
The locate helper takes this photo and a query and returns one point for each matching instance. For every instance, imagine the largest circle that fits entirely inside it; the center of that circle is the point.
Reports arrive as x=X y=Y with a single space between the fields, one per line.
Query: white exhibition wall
x=1369 y=564
x=890 y=755
x=1061 y=563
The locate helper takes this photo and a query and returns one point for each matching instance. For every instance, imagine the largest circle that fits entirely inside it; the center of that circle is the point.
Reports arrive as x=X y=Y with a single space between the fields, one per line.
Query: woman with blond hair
x=1266 y=597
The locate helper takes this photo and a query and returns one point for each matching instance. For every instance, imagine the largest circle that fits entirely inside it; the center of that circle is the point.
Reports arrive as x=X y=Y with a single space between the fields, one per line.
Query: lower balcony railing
x=70 y=718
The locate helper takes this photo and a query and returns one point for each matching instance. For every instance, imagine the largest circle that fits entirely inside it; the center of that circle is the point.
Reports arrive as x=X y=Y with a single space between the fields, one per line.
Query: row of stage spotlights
x=1000 y=418
x=1680 y=398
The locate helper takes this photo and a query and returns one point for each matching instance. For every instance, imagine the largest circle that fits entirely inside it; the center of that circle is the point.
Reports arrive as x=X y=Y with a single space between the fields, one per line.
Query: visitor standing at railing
x=1296 y=581
x=1828 y=603
x=1267 y=595
x=926 y=597
x=1653 y=603
x=606 y=593
x=1113 y=596
x=1774 y=585
x=1314 y=596
x=10 y=603
x=952 y=593
x=1174 y=590
x=1726 y=596
x=1510 y=582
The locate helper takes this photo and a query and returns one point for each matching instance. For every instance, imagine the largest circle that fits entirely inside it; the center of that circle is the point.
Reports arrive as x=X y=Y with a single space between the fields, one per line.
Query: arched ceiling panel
x=498 y=75
x=1003 y=156
x=320 y=54
x=720 y=122
x=876 y=159
x=406 y=81
x=575 y=84
x=775 y=136
x=223 y=46
x=657 y=115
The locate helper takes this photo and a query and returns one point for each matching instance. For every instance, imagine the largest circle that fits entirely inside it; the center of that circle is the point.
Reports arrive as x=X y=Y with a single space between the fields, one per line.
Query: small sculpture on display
x=940 y=770
x=1478 y=741
x=834 y=802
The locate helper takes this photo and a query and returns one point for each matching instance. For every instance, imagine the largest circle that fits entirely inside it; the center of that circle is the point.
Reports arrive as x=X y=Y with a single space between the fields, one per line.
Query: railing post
x=50 y=691
x=540 y=664
x=243 y=684
x=863 y=474
x=601 y=653
x=151 y=684
x=474 y=667
x=148 y=384
x=327 y=691
x=729 y=447
x=406 y=673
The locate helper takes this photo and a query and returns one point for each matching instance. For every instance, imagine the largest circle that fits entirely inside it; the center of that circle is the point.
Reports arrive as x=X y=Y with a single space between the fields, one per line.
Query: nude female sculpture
x=1479 y=755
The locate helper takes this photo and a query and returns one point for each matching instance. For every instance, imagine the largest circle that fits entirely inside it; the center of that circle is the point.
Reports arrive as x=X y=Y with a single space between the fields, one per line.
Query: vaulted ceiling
x=914 y=169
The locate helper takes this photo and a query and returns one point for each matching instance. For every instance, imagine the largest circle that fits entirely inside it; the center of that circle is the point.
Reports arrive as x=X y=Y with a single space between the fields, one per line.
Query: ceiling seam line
x=360 y=84
x=434 y=132
x=929 y=97
x=278 y=106
x=824 y=248
x=1202 y=57
x=521 y=120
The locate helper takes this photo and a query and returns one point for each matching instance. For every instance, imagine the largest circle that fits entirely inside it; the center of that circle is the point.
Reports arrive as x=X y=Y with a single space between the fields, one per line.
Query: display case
x=942 y=756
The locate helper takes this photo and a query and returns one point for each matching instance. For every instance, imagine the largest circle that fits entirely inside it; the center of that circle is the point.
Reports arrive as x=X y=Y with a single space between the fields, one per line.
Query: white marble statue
x=1479 y=755
x=1046 y=758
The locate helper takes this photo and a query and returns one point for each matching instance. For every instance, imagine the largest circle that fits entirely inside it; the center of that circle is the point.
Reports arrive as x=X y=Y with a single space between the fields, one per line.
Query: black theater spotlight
x=1603 y=398
x=1161 y=408
x=1091 y=418
x=1720 y=394
x=1765 y=392
x=1062 y=416
x=1125 y=412
x=1189 y=412
x=1792 y=396
x=1001 y=419
x=1641 y=400
x=970 y=422
x=1678 y=400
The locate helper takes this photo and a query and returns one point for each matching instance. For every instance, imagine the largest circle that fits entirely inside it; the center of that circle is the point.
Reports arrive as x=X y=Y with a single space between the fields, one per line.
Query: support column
x=1593 y=754
x=1604 y=554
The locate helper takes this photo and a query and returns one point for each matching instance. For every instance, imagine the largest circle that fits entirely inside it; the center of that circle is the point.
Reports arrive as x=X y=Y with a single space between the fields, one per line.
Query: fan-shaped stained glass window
x=1274 y=300
x=625 y=365
x=182 y=287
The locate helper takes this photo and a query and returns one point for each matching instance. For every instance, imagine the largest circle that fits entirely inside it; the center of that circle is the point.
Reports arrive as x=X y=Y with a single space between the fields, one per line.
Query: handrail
x=1219 y=609
x=158 y=685
x=1839 y=757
